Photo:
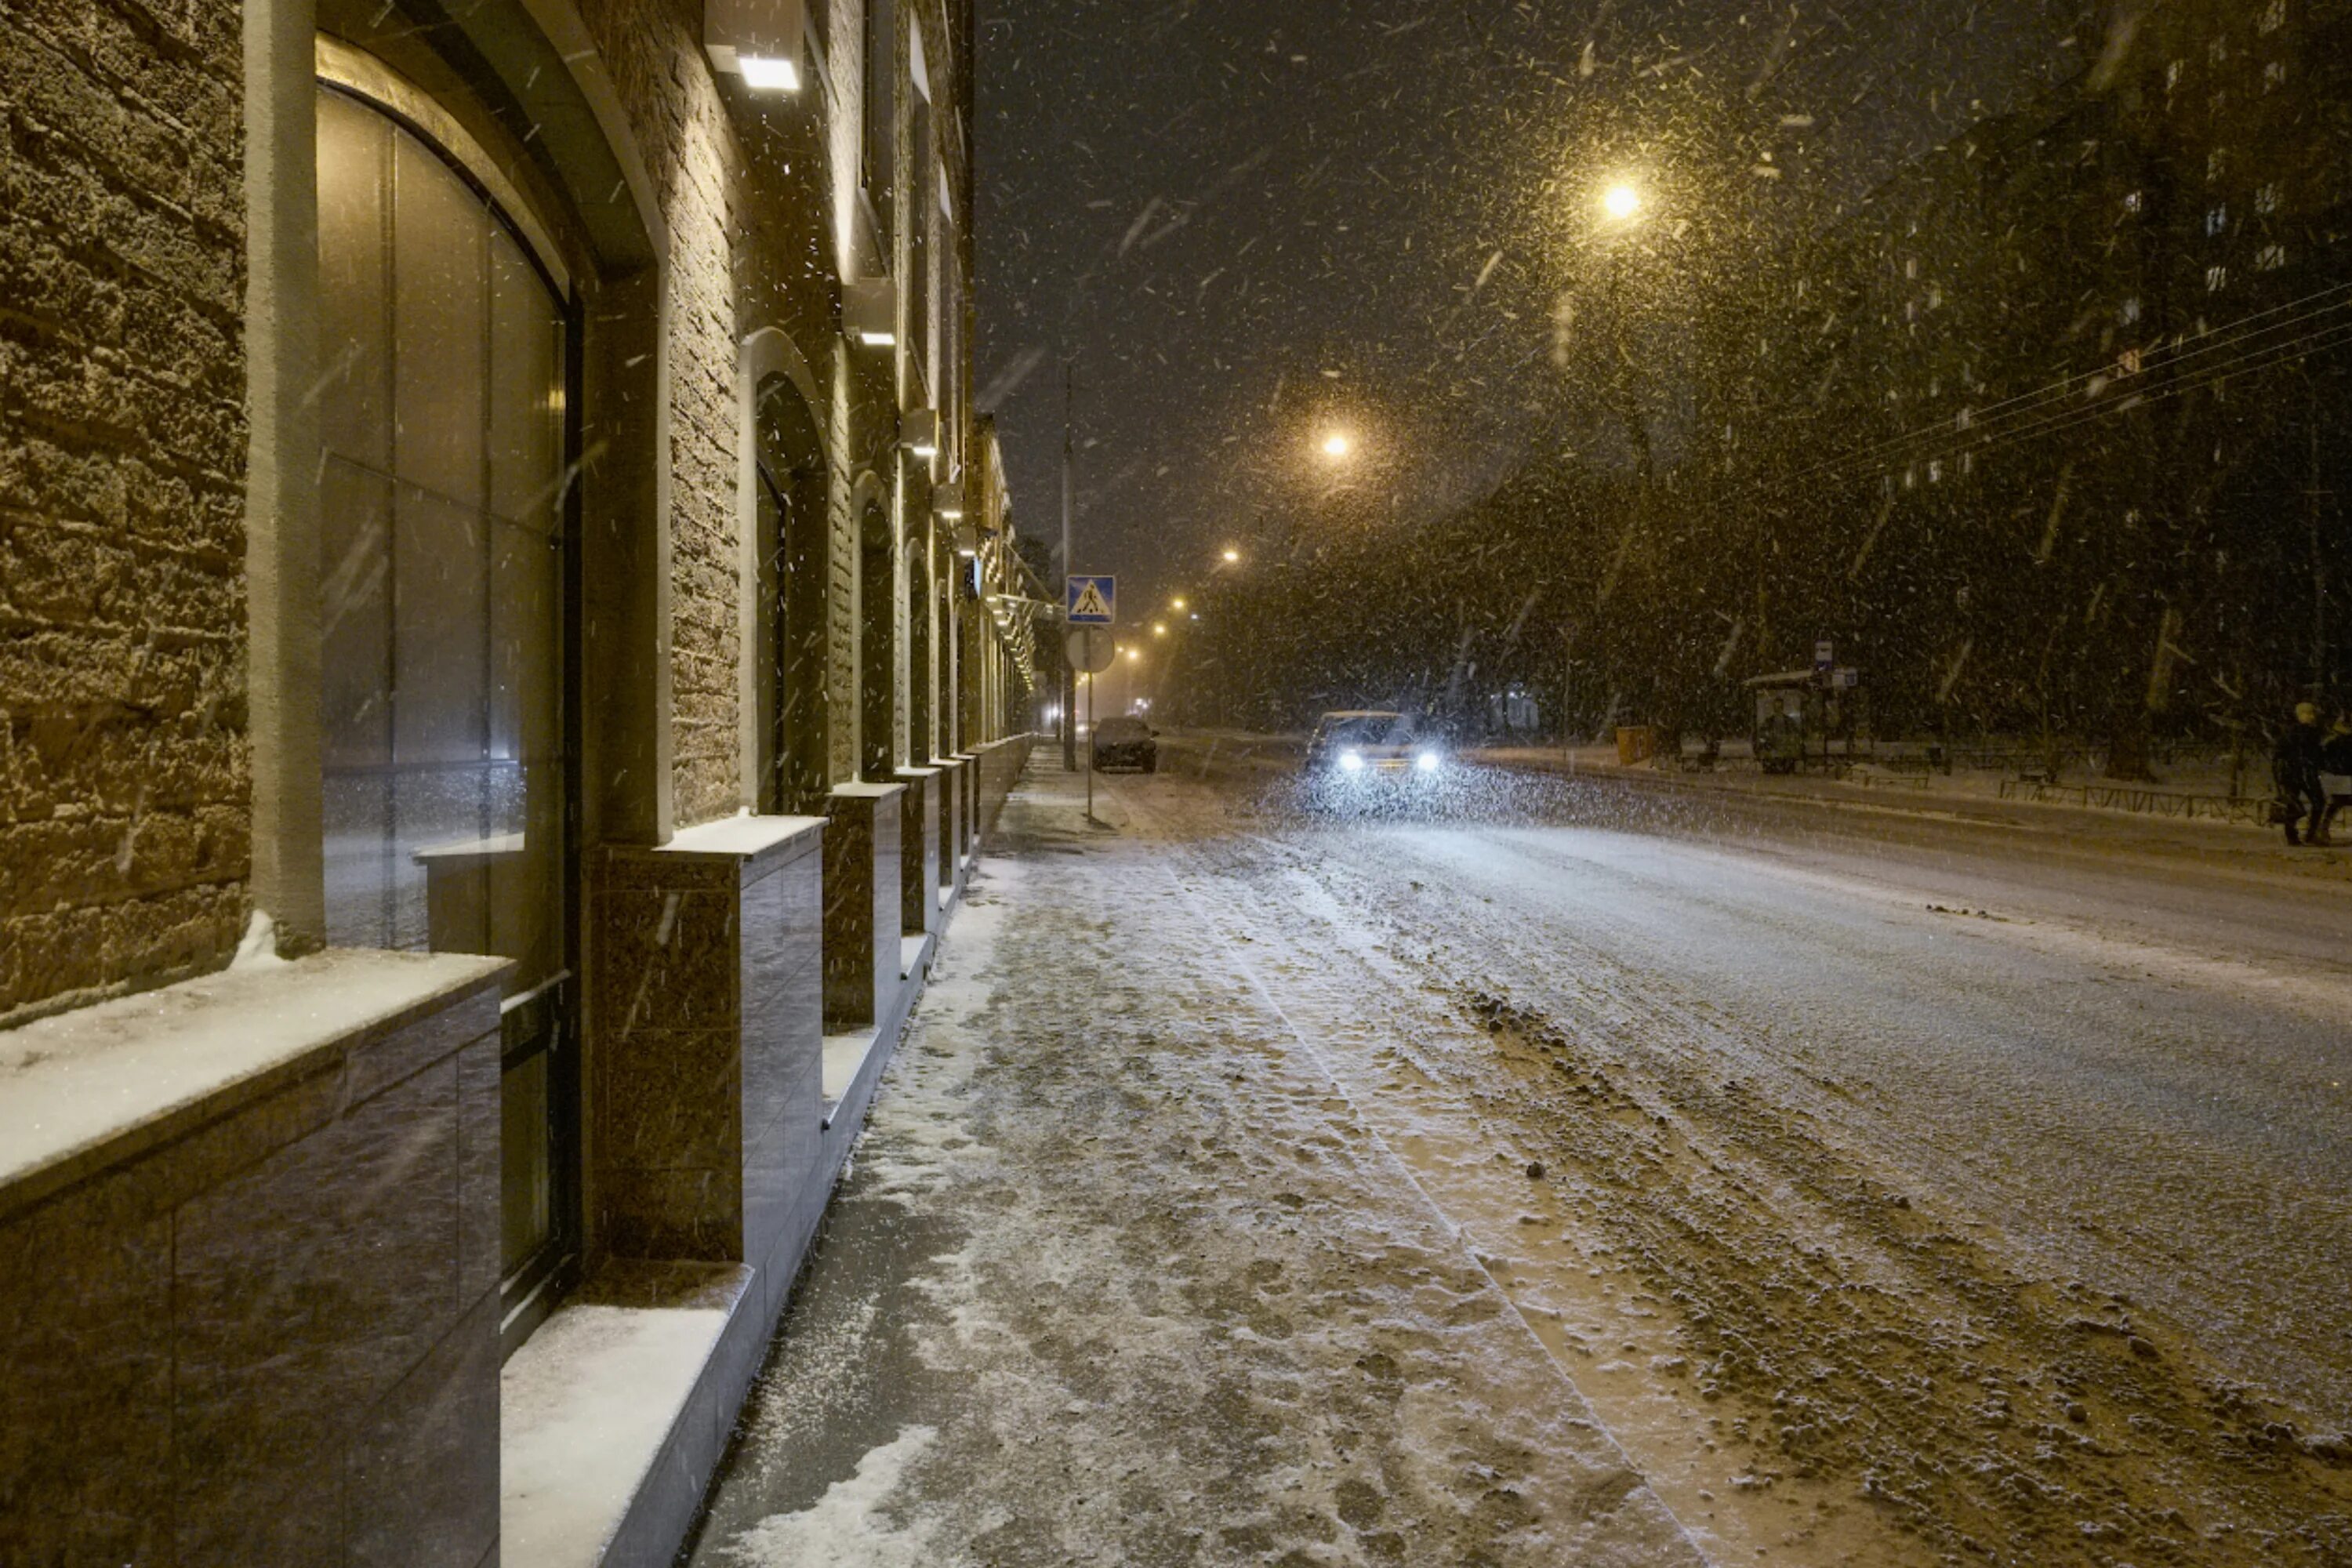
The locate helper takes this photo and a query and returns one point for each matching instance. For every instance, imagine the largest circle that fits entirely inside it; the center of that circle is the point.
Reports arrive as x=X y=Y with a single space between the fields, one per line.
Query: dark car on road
x=1374 y=746
x=1125 y=743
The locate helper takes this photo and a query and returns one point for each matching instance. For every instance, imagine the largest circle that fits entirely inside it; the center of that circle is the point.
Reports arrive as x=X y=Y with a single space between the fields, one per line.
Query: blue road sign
x=1093 y=601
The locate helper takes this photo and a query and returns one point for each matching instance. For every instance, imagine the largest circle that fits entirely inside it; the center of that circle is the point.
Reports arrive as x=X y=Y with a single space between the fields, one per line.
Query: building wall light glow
x=763 y=73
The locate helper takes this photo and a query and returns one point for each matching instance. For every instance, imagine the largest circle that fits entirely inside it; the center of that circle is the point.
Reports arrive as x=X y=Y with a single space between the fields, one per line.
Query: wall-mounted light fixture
x=756 y=41
x=869 y=311
x=919 y=432
x=946 y=501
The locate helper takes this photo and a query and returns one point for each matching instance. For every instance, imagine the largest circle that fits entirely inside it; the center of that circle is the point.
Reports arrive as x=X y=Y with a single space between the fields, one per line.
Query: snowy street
x=1577 y=1173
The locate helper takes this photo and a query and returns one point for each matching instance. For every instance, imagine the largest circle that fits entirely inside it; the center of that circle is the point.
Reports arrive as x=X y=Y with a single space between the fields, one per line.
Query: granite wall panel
x=697 y=1070
x=86 y=1366
x=862 y=902
x=206 y=1346
x=409 y=1507
x=921 y=819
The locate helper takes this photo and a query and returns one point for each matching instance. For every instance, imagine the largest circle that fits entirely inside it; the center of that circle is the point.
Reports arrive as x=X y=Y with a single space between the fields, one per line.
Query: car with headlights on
x=1369 y=748
x=1126 y=742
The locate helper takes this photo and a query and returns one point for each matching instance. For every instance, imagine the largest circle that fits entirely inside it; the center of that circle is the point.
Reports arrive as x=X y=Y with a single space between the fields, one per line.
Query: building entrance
x=446 y=340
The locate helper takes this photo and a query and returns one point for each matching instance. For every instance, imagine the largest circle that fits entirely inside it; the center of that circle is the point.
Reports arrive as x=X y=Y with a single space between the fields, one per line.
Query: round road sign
x=1091 y=649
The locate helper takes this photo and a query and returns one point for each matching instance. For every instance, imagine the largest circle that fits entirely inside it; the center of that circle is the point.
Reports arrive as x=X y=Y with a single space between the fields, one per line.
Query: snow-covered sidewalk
x=1119 y=1276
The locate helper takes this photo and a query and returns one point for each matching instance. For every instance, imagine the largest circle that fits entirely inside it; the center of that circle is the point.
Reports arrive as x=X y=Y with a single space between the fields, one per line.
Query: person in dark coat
x=2295 y=764
x=2335 y=767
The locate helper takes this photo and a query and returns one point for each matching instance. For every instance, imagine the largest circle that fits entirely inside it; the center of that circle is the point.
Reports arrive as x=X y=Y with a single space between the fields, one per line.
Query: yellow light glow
x=1176 y=603
x=764 y=73
x=1622 y=202
x=1232 y=556
x=1159 y=628
x=1337 y=446
x=1133 y=654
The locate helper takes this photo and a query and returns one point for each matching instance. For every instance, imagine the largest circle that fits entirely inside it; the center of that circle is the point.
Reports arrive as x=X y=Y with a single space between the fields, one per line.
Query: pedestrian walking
x=2295 y=764
x=2335 y=771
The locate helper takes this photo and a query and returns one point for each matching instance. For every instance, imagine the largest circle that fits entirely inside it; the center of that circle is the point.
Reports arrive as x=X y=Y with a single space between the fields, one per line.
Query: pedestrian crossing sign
x=1093 y=601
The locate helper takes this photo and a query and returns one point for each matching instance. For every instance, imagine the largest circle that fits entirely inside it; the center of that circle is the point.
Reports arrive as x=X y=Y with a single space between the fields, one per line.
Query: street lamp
x=1134 y=654
x=1622 y=202
x=1337 y=446
x=1159 y=628
x=1233 y=557
x=1177 y=605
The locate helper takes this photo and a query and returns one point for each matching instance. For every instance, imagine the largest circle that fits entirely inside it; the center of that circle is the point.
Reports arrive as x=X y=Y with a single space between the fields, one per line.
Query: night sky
x=1251 y=223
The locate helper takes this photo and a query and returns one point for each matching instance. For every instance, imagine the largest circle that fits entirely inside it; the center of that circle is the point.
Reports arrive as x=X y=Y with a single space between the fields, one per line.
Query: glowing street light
x=1232 y=556
x=1337 y=446
x=1176 y=604
x=1133 y=654
x=1621 y=203
x=1159 y=628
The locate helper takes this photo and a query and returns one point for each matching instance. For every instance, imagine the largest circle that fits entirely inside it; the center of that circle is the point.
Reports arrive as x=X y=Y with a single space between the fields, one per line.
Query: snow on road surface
x=1261 y=1188
x=1120 y=1278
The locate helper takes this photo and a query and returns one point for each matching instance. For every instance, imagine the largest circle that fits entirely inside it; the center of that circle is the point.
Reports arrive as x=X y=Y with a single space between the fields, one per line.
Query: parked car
x=1125 y=743
x=1374 y=746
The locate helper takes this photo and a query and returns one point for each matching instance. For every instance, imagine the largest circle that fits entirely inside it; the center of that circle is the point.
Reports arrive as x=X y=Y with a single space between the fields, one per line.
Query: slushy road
x=1569 y=1171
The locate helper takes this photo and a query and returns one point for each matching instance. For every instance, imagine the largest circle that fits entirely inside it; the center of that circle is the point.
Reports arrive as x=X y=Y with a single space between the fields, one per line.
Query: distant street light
x=1177 y=605
x=1159 y=628
x=1337 y=446
x=1232 y=556
x=1133 y=654
x=1622 y=202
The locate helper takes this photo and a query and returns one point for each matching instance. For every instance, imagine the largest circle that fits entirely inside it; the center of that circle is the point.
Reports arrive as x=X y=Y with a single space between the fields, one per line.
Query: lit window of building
x=2172 y=75
x=2274 y=75
x=2131 y=201
x=2266 y=200
x=2216 y=279
x=2273 y=16
x=2129 y=313
x=2217 y=162
x=2217 y=219
x=2270 y=258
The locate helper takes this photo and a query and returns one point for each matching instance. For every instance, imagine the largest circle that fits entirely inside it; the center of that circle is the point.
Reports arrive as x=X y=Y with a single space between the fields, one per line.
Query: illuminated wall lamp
x=869 y=311
x=919 y=432
x=946 y=501
x=758 y=41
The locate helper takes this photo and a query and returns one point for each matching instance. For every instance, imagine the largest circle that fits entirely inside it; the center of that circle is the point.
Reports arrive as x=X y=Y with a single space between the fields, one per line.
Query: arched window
x=446 y=336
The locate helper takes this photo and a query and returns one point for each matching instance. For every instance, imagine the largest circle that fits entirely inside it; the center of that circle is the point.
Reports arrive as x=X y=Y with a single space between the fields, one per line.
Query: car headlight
x=1428 y=762
x=1351 y=762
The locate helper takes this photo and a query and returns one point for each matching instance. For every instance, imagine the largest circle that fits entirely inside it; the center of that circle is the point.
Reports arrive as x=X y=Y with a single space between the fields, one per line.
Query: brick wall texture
x=124 y=817
x=654 y=48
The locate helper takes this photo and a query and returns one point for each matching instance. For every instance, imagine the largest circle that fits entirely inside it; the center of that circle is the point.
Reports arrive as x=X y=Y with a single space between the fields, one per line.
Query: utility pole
x=1069 y=505
x=2313 y=497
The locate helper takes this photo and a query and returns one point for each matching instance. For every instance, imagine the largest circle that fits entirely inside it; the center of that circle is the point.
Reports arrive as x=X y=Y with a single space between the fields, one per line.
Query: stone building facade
x=510 y=644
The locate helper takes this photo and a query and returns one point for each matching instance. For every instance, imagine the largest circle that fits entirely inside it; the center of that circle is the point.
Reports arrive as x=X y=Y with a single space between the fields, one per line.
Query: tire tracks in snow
x=1864 y=1341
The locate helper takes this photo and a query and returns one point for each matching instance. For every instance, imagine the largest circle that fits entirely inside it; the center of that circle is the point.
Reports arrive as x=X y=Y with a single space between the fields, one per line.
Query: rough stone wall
x=125 y=826
x=665 y=84
x=845 y=107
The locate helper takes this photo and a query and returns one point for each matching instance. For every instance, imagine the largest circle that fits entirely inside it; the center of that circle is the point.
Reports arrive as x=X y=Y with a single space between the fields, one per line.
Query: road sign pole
x=1090 y=748
x=1069 y=506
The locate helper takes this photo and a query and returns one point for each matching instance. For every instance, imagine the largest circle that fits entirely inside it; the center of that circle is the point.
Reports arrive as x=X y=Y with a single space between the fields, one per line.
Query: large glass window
x=444 y=755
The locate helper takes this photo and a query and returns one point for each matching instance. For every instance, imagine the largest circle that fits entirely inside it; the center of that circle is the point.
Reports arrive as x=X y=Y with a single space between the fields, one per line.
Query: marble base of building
x=924 y=818
x=862 y=897
x=249 y=1266
x=951 y=826
x=708 y=997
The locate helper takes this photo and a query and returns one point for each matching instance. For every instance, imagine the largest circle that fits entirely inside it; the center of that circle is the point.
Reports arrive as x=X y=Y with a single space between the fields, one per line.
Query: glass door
x=444 y=587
